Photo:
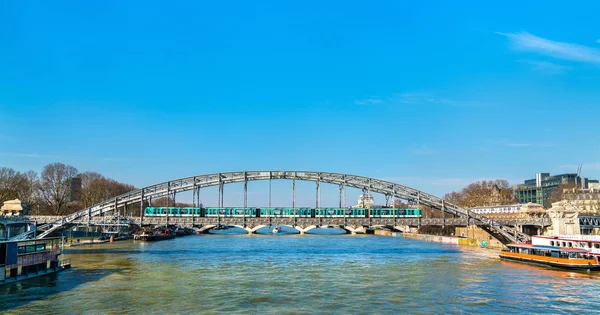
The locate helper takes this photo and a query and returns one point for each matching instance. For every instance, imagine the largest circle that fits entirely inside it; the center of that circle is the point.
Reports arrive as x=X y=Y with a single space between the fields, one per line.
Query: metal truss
x=195 y=183
x=589 y=222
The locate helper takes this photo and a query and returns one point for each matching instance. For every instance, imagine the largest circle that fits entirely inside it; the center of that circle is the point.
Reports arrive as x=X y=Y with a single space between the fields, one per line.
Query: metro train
x=284 y=212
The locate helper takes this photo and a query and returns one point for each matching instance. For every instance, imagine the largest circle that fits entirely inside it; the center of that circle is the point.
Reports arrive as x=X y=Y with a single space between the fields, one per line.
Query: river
x=293 y=274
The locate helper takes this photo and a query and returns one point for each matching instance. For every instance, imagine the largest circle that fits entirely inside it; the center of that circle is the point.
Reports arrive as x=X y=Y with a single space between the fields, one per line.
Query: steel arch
x=200 y=181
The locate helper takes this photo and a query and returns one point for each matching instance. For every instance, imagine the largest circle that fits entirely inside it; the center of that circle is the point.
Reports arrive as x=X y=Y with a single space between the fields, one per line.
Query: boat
x=156 y=236
x=591 y=243
x=20 y=260
x=276 y=229
x=566 y=258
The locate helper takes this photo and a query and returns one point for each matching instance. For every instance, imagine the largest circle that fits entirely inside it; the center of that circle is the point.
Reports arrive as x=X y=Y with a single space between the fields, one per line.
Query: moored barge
x=20 y=260
x=566 y=258
x=153 y=236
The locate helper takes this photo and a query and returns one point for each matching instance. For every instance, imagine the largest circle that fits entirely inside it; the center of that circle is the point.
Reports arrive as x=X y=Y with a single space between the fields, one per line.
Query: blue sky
x=429 y=94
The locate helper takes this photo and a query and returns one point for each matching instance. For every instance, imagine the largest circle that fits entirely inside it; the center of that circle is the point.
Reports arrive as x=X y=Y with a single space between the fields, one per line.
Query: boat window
x=551 y=243
x=596 y=245
x=570 y=244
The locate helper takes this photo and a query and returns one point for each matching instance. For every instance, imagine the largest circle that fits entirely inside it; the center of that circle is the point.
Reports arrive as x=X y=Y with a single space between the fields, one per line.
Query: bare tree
x=88 y=177
x=54 y=186
x=8 y=179
x=14 y=184
x=483 y=193
x=27 y=188
x=563 y=192
x=101 y=189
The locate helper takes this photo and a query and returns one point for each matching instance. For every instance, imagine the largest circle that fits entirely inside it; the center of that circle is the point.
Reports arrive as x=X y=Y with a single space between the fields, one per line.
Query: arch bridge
x=195 y=183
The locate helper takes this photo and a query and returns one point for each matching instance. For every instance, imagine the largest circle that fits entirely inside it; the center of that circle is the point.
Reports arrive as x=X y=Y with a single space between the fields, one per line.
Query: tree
x=483 y=193
x=8 y=182
x=88 y=177
x=15 y=185
x=563 y=192
x=27 y=188
x=100 y=189
x=54 y=186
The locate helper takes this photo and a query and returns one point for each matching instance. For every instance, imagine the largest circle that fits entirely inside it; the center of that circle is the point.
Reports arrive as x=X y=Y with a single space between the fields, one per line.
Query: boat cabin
x=30 y=258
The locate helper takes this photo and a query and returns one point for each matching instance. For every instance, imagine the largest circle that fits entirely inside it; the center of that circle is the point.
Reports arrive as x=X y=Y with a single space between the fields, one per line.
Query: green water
x=307 y=274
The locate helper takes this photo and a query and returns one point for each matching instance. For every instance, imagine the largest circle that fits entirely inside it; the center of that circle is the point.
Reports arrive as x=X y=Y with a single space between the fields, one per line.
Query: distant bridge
x=504 y=233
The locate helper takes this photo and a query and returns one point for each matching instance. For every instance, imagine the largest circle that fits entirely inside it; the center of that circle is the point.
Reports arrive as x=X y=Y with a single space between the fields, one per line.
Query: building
x=75 y=189
x=365 y=201
x=14 y=208
x=539 y=189
x=512 y=211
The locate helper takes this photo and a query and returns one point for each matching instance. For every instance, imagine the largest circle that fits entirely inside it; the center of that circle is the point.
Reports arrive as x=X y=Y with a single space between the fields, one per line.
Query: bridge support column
x=294 y=194
x=344 y=188
x=270 y=175
x=443 y=215
x=168 y=192
x=340 y=196
x=198 y=204
x=141 y=208
x=318 y=197
x=220 y=196
x=245 y=191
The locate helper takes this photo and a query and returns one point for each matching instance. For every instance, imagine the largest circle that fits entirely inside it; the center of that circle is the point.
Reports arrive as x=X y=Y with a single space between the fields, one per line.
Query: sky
x=429 y=94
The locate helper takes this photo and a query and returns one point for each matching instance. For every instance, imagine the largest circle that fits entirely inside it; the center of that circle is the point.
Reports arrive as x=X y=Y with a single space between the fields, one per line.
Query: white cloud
x=416 y=99
x=28 y=155
x=516 y=144
x=422 y=150
x=561 y=50
x=528 y=145
x=369 y=101
x=546 y=67
x=113 y=159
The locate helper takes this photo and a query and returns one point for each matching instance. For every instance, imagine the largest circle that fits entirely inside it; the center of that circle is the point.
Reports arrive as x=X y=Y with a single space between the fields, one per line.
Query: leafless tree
x=8 y=180
x=54 y=186
x=483 y=193
x=88 y=177
x=101 y=189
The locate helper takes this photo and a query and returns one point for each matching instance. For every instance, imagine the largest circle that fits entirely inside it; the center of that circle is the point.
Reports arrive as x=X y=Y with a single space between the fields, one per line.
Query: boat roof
x=32 y=240
x=547 y=247
x=575 y=238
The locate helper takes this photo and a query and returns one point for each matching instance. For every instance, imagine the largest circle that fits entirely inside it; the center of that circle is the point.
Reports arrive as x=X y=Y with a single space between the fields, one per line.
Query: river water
x=293 y=274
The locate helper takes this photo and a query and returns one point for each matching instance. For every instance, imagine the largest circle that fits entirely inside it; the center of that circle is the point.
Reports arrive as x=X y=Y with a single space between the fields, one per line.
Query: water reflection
x=299 y=274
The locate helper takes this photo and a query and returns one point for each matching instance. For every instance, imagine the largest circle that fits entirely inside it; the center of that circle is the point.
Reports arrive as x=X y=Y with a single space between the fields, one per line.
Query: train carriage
x=283 y=212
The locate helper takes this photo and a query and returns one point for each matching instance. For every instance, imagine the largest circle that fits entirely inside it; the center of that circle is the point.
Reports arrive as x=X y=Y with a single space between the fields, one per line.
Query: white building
x=511 y=211
x=365 y=201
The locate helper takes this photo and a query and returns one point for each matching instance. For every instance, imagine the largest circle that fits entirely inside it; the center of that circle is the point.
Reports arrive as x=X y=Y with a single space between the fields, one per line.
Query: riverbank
x=442 y=239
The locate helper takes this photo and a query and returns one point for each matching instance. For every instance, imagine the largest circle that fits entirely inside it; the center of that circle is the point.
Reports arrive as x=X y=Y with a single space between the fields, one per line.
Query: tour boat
x=276 y=229
x=20 y=260
x=567 y=258
x=591 y=243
